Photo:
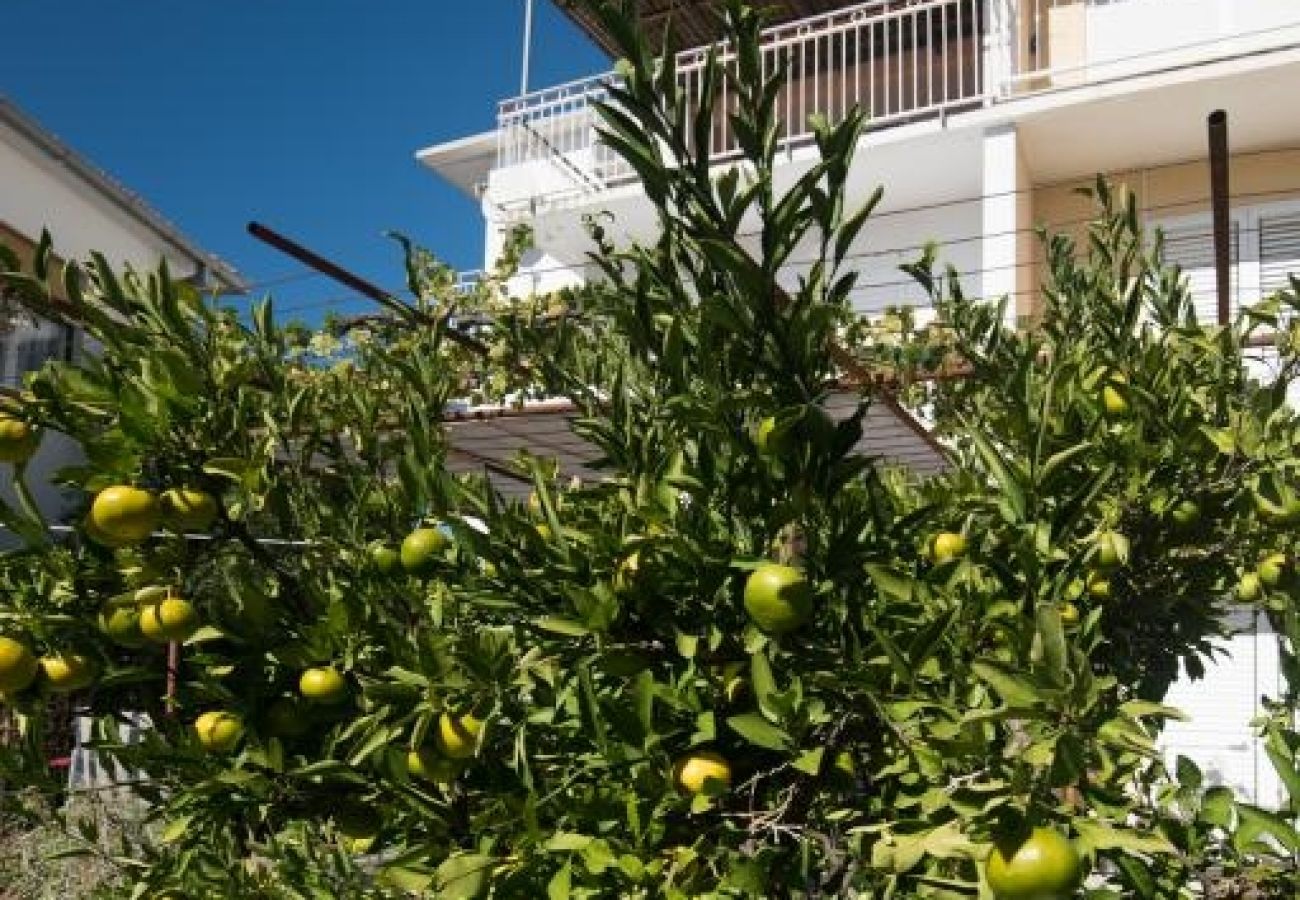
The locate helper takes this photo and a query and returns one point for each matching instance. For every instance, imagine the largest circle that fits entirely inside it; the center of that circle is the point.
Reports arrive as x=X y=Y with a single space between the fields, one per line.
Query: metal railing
x=896 y=61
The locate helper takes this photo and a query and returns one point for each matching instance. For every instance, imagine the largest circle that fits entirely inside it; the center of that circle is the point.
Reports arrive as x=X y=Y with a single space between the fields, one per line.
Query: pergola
x=688 y=23
x=487 y=439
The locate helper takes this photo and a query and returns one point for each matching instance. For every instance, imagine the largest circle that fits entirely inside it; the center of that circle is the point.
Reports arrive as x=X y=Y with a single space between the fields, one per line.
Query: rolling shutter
x=1279 y=251
x=1191 y=248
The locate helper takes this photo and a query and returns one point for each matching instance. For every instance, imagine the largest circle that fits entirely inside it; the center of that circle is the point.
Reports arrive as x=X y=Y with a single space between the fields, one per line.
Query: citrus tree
x=751 y=661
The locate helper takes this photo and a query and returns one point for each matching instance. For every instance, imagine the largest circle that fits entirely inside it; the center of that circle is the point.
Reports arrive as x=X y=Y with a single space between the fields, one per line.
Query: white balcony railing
x=898 y=62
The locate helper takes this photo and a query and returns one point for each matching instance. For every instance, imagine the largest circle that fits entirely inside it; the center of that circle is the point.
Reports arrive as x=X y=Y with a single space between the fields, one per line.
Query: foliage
x=933 y=703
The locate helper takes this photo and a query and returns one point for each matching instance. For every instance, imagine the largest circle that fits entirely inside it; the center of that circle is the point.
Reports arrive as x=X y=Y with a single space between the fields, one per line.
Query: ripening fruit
x=1114 y=403
x=187 y=510
x=323 y=684
x=1185 y=514
x=120 y=622
x=1044 y=866
x=121 y=516
x=947 y=546
x=219 y=731
x=66 y=672
x=17 y=666
x=421 y=549
x=385 y=559
x=778 y=598
x=18 y=440
x=700 y=771
x=1098 y=585
x=172 y=619
x=1271 y=569
x=768 y=440
x=1111 y=550
x=1249 y=588
x=457 y=736
x=430 y=765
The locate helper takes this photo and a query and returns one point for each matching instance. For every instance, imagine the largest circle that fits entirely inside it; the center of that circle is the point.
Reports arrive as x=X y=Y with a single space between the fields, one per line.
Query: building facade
x=985 y=116
x=46 y=185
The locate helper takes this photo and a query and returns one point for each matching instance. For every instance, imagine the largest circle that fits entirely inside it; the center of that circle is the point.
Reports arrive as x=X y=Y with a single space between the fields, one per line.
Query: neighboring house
x=986 y=115
x=44 y=184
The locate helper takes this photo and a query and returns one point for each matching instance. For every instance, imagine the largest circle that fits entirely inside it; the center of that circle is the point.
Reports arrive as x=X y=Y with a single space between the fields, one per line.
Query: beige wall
x=1165 y=192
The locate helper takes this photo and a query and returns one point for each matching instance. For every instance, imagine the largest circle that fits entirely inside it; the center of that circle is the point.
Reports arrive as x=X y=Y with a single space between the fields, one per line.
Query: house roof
x=489 y=438
x=688 y=23
x=226 y=278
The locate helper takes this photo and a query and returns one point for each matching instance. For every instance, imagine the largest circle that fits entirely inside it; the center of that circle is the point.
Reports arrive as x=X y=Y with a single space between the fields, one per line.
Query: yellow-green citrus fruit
x=286 y=718
x=1114 y=402
x=18 y=440
x=1098 y=585
x=385 y=559
x=1069 y=614
x=430 y=765
x=187 y=510
x=1185 y=513
x=323 y=684
x=700 y=771
x=357 y=820
x=1249 y=588
x=1271 y=569
x=1044 y=866
x=421 y=549
x=123 y=515
x=768 y=439
x=120 y=623
x=1111 y=549
x=457 y=736
x=17 y=666
x=778 y=598
x=173 y=619
x=947 y=546
x=67 y=671
x=218 y=731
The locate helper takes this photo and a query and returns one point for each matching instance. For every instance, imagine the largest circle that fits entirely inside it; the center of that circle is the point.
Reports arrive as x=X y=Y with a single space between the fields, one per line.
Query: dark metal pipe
x=1218 y=134
x=351 y=280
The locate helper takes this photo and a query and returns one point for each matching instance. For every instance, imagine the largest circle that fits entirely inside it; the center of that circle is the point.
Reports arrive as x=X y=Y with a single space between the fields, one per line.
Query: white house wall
x=40 y=193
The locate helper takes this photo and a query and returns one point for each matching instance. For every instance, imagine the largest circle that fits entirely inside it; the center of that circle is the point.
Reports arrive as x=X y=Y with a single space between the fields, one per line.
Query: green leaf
x=1013 y=687
x=465 y=876
x=763 y=683
x=758 y=731
x=810 y=762
x=1095 y=835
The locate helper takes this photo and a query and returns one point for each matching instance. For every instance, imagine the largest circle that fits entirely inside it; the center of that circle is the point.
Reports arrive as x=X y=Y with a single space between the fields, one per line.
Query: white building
x=44 y=184
x=986 y=114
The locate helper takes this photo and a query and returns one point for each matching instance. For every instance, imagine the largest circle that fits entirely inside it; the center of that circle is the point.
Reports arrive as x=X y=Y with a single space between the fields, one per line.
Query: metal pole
x=1218 y=134
x=528 y=46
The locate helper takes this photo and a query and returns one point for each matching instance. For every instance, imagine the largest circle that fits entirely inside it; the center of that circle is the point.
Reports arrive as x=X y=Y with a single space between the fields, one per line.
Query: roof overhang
x=465 y=162
x=220 y=275
x=687 y=23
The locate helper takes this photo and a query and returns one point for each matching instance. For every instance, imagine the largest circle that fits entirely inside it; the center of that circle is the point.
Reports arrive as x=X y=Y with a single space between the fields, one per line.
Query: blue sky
x=302 y=114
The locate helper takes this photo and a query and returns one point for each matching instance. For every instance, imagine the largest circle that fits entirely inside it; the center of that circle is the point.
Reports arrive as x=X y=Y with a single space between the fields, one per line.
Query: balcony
x=901 y=60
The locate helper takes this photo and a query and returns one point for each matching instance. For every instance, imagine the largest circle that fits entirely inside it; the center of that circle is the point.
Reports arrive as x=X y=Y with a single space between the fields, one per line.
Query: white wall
x=1138 y=35
x=36 y=193
x=41 y=193
x=1218 y=736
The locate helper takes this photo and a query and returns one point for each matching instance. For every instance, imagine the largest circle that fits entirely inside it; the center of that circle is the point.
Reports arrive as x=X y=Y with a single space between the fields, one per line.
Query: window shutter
x=1191 y=248
x=1279 y=251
